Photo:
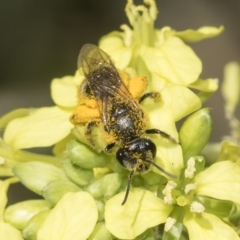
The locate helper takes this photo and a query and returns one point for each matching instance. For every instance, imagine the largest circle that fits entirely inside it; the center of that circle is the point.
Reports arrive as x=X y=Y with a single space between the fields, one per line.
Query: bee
x=120 y=114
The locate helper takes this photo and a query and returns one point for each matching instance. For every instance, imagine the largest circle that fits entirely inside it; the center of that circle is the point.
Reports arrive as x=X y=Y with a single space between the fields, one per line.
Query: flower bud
x=231 y=87
x=20 y=213
x=36 y=175
x=55 y=190
x=110 y=184
x=95 y=189
x=78 y=175
x=31 y=229
x=101 y=208
x=195 y=133
x=84 y=156
x=100 y=232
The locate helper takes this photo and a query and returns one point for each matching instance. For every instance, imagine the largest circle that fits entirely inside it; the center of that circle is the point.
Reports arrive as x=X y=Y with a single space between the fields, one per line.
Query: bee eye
x=122 y=155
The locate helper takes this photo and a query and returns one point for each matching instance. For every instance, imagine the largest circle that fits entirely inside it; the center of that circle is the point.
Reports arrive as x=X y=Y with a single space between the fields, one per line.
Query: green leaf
x=74 y=217
x=142 y=210
x=43 y=127
x=221 y=180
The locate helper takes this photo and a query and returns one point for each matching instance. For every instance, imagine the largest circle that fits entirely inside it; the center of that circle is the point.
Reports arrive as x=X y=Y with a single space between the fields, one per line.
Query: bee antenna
x=161 y=169
x=128 y=186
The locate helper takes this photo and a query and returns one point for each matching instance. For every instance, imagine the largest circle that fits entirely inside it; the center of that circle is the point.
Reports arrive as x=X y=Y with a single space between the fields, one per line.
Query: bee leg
x=109 y=147
x=154 y=95
x=163 y=134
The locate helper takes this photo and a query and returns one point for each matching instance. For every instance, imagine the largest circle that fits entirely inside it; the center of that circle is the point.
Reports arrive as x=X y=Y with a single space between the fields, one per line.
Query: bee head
x=137 y=155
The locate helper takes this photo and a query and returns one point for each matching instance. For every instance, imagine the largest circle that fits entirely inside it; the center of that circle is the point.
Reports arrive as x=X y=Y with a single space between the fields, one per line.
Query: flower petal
x=43 y=127
x=199 y=34
x=5 y=119
x=74 y=217
x=180 y=101
x=141 y=211
x=169 y=158
x=4 y=185
x=206 y=85
x=113 y=45
x=169 y=155
x=64 y=91
x=173 y=61
x=9 y=232
x=221 y=180
x=208 y=226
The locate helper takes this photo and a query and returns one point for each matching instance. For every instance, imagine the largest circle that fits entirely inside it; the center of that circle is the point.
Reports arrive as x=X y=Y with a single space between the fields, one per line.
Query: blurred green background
x=40 y=40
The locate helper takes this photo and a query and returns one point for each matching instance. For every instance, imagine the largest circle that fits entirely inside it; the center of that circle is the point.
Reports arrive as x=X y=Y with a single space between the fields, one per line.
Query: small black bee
x=121 y=115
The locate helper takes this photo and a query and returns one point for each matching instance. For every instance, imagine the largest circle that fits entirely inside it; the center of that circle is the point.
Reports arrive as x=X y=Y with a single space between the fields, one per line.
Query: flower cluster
x=83 y=189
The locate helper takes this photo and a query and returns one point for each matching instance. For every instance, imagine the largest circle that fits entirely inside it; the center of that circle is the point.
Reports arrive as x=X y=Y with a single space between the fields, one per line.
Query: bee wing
x=103 y=78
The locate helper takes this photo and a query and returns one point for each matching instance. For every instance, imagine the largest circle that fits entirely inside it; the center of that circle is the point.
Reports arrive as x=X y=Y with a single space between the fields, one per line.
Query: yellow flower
x=193 y=204
x=69 y=219
x=82 y=188
x=161 y=55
